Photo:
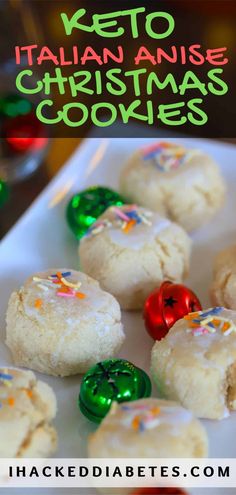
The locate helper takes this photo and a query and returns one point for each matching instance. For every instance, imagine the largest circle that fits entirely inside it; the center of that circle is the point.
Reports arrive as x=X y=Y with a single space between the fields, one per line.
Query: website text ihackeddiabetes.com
x=117 y=472
x=153 y=471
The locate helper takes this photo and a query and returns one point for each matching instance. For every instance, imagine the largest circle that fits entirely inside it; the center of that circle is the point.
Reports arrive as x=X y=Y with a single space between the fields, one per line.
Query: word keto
x=194 y=54
x=101 y=23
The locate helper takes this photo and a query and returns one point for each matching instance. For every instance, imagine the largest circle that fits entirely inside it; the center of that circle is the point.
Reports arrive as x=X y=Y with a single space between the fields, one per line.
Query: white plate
x=41 y=239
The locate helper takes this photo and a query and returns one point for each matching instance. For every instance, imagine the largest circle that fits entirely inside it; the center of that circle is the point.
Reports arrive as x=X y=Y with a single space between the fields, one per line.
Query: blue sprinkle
x=141 y=426
x=133 y=216
x=90 y=229
x=152 y=154
x=66 y=274
x=211 y=312
x=4 y=376
x=159 y=167
x=210 y=324
x=217 y=310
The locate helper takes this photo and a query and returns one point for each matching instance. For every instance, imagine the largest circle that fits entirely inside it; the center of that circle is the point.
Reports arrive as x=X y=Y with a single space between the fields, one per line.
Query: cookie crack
x=230 y=387
x=27 y=440
x=222 y=288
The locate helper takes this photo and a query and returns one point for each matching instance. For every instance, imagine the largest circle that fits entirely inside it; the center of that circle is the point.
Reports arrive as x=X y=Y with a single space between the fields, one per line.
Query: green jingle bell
x=13 y=105
x=111 y=380
x=85 y=207
x=4 y=192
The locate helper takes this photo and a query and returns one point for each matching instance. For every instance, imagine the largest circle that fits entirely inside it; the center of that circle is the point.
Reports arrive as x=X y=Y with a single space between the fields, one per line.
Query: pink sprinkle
x=66 y=294
x=175 y=164
x=200 y=331
x=121 y=214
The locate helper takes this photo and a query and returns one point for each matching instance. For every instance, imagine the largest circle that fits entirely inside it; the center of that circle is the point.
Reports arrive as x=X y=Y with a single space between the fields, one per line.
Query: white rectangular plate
x=41 y=239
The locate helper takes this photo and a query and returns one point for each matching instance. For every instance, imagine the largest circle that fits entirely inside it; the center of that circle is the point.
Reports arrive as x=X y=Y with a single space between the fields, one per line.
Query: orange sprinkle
x=155 y=410
x=216 y=322
x=11 y=401
x=192 y=323
x=179 y=154
x=135 y=423
x=129 y=226
x=226 y=326
x=28 y=392
x=38 y=303
x=64 y=289
x=164 y=144
x=80 y=295
x=191 y=316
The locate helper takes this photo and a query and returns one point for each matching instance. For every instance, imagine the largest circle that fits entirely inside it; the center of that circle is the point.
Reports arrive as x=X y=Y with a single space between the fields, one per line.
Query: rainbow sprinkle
x=28 y=392
x=38 y=303
x=144 y=419
x=6 y=379
x=208 y=322
x=98 y=227
x=165 y=156
x=126 y=218
x=11 y=401
x=65 y=288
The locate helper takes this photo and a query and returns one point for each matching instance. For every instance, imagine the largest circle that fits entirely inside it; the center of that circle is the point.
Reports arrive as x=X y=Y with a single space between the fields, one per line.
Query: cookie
x=195 y=363
x=223 y=290
x=131 y=250
x=61 y=323
x=148 y=428
x=182 y=184
x=27 y=407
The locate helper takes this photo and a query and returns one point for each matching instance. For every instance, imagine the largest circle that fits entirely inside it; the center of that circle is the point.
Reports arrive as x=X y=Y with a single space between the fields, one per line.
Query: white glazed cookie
x=183 y=184
x=131 y=250
x=223 y=290
x=149 y=428
x=196 y=363
x=61 y=323
x=27 y=407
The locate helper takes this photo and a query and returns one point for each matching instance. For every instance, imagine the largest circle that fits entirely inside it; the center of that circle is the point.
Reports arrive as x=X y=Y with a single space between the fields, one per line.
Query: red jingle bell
x=159 y=491
x=166 y=305
x=24 y=133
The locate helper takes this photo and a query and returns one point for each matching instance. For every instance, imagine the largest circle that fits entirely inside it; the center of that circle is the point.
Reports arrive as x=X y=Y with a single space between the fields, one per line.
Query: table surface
x=24 y=193
x=56 y=247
